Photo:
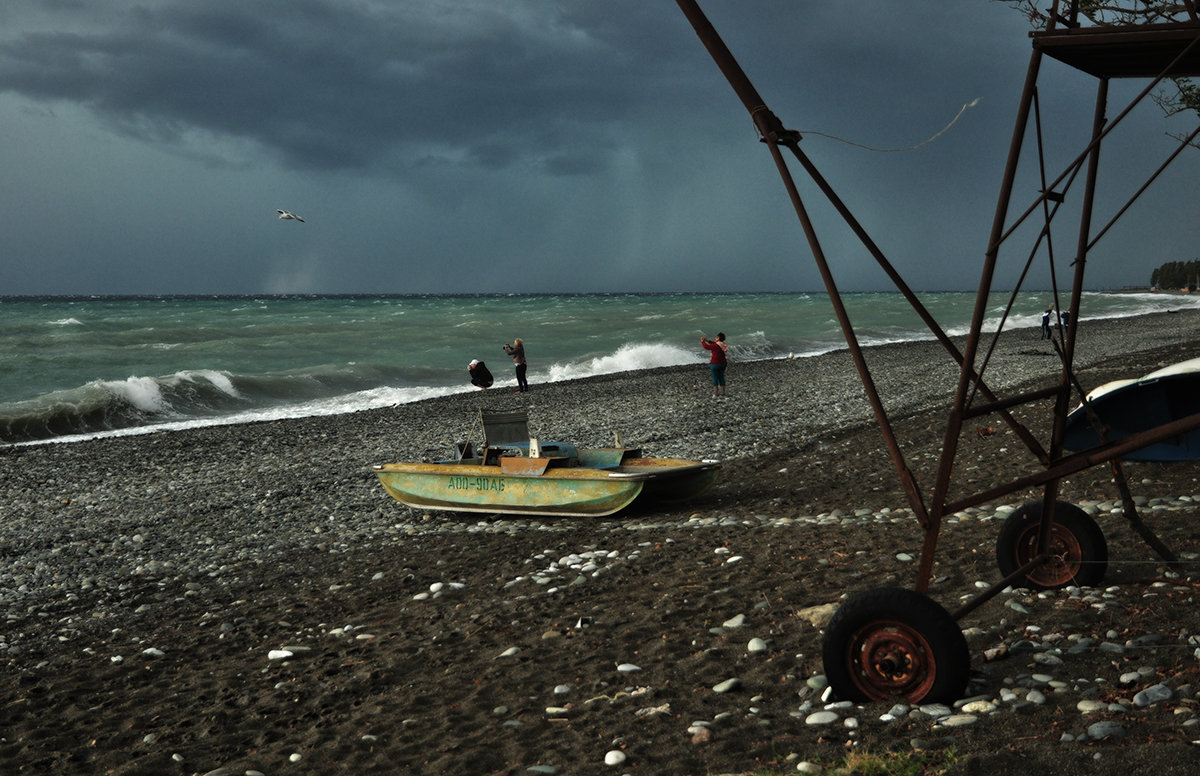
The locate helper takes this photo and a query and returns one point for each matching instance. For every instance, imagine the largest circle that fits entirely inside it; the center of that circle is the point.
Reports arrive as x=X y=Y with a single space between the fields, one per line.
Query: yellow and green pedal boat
x=515 y=475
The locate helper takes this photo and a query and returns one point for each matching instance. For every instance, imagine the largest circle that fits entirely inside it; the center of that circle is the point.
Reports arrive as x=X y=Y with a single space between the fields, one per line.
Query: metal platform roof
x=1142 y=51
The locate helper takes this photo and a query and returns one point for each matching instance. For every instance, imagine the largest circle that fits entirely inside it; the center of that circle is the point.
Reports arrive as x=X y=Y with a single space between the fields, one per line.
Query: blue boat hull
x=1139 y=405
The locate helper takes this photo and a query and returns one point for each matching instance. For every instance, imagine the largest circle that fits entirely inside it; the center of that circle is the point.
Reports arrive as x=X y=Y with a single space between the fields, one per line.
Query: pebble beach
x=246 y=599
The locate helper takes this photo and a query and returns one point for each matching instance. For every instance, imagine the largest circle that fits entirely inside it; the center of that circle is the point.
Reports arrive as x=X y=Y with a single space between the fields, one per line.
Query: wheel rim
x=889 y=659
x=1065 y=556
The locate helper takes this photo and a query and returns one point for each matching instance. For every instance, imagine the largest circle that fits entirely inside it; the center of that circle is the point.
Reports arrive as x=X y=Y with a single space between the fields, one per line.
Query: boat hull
x=522 y=487
x=670 y=480
x=1126 y=407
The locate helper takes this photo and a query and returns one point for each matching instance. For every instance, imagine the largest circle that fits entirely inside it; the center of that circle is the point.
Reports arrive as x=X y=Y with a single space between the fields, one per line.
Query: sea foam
x=626 y=358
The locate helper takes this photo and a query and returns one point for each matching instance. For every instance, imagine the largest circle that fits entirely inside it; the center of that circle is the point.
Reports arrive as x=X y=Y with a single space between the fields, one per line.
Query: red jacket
x=718 y=350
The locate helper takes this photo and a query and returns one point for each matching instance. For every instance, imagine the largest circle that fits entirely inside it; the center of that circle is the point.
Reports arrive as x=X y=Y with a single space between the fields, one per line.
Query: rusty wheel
x=1077 y=550
x=895 y=643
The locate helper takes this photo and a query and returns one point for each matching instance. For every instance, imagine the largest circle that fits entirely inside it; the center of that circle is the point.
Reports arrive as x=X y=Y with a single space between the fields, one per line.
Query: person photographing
x=717 y=362
x=517 y=351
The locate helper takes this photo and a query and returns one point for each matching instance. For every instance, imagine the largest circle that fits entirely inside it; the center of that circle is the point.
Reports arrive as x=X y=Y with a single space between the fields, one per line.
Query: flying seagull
x=292 y=216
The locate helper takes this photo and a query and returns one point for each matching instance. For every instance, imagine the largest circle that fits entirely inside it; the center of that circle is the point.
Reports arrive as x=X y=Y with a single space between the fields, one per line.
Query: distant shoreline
x=532 y=294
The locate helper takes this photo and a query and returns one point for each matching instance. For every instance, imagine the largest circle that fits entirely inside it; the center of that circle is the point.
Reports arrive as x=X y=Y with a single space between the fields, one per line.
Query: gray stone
x=959 y=720
x=936 y=709
x=1153 y=694
x=729 y=685
x=1098 y=731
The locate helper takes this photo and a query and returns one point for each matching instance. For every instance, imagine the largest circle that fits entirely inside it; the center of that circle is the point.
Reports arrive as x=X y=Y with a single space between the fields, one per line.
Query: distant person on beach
x=517 y=351
x=480 y=375
x=1046 y=323
x=716 y=364
x=1065 y=318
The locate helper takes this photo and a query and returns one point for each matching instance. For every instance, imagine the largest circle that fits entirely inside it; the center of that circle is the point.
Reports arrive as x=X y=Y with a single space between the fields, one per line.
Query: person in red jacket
x=716 y=364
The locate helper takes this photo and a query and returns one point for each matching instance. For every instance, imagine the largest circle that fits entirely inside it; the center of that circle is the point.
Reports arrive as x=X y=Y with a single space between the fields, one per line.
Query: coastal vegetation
x=1176 y=274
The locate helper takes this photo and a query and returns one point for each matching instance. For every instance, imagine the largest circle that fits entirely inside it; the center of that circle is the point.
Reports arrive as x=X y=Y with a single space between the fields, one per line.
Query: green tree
x=1176 y=274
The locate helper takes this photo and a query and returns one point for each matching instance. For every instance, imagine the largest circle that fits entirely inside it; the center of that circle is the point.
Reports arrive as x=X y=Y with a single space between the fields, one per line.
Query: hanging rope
x=943 y=131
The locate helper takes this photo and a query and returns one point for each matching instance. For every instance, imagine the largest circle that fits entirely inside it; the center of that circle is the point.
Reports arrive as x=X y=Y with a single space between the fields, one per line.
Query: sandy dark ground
x=418 y=686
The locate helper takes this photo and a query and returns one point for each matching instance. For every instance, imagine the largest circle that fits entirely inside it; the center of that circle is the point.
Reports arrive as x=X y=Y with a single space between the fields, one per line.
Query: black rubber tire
x=1076 y=541
x=890 y=643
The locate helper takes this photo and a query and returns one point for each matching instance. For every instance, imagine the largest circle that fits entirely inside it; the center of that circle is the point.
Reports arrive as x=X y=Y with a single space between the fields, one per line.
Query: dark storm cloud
x=333 y=85
x=499 y=145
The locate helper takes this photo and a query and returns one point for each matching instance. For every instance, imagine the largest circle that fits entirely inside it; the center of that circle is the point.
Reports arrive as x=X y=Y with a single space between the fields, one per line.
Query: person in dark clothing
x=716 y=364
x=1046 y=323
x=480 y=375
x=1065 y=318
x=517 y=351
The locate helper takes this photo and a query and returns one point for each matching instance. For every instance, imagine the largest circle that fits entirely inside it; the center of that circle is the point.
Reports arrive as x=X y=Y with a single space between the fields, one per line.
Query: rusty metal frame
x=1156 y=51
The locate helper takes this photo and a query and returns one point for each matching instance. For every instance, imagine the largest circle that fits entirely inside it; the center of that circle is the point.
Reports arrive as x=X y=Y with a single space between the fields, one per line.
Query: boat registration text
x=476 y=483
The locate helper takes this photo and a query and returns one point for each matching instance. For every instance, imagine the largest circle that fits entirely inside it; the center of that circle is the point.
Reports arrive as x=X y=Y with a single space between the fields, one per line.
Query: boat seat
x=503 y=428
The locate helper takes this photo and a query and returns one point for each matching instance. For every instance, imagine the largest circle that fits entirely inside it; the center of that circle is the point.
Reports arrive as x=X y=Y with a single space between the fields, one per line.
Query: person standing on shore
x=1065 y=318
x=481 y=376
x=717 y=362
x=517 y=351
x=1046 y=322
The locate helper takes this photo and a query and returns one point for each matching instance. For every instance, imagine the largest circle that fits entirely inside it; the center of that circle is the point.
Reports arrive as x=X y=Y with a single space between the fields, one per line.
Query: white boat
x=1125 y=407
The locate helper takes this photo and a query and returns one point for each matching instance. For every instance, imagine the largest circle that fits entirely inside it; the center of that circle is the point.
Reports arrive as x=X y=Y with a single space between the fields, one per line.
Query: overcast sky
x=446 y=146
